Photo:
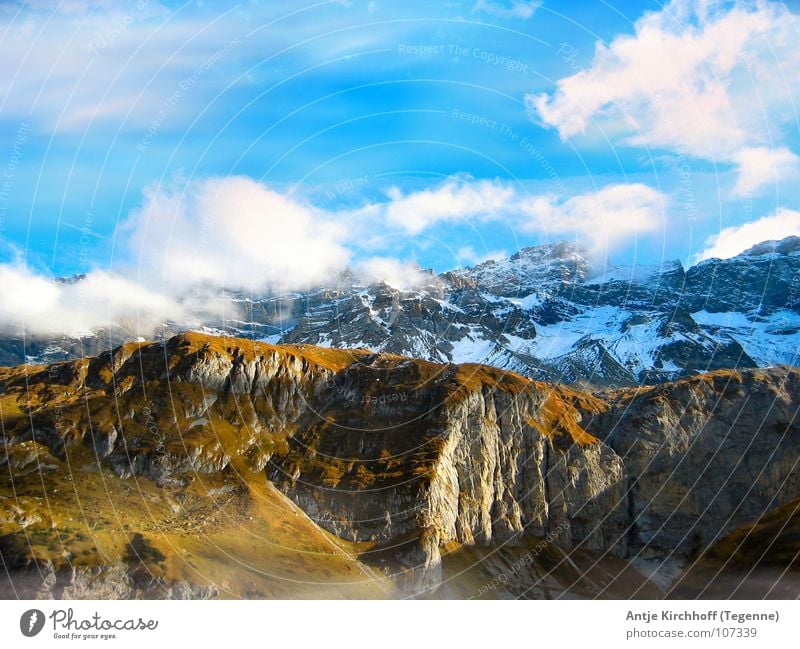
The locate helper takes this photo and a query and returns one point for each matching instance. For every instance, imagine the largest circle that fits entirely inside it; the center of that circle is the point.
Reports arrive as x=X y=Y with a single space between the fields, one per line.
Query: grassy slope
x=755 y=561
x=239 y=535
x=231 y=530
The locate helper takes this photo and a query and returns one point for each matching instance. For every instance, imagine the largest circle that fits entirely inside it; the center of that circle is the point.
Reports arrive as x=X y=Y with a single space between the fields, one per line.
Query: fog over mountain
x=548 y=312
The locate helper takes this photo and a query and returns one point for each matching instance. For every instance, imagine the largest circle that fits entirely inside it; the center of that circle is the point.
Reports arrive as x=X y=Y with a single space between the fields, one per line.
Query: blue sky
x=648 y=131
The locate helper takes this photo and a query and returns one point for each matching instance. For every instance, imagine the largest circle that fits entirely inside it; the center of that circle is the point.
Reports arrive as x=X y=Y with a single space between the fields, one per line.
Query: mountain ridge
x=545 y=312
x=400 y=464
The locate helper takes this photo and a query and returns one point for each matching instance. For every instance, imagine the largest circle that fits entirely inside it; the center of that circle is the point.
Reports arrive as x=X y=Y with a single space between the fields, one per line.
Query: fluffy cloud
x=191 y=242
x=733 y=240
x=604 y=219
x=184 y=247
x=452 y=200
x=232 y=233
x=763 y=167
x=36 y=305
x=705 y=78
x=400 y=275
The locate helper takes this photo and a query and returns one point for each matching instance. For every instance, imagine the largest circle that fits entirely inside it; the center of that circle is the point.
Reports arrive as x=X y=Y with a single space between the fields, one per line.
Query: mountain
x=548 y=312
x=767 y=547
x=205 y=466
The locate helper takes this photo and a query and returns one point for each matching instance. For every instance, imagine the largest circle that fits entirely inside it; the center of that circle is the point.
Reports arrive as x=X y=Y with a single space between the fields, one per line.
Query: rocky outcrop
x=705 y=455
x=474 y=456
x=44 y=581
x=405 y=457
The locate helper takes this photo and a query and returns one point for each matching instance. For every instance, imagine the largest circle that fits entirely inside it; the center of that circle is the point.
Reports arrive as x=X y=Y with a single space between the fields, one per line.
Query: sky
x=159 y=147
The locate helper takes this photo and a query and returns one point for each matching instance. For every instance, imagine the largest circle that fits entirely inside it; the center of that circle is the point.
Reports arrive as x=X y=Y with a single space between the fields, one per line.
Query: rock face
x=471 y=455
x=406 y=459
x=706 y=454
x=552 y=313
x=549 y=312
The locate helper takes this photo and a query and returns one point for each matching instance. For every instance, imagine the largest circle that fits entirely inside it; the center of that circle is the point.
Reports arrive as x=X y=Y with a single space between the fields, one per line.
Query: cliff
x=395 y=464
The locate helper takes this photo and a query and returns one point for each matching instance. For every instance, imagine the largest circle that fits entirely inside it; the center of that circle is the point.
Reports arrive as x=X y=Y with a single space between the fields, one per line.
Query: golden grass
x=238 y=534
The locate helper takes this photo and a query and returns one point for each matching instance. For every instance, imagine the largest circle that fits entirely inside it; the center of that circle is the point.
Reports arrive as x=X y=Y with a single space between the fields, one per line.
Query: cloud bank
x=604 y=219
x=452 y=200
x=192 y=242
x=37 y=305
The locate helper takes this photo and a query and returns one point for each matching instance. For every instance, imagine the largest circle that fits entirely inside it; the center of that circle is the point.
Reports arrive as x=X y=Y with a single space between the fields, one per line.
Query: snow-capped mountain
x=548 y=312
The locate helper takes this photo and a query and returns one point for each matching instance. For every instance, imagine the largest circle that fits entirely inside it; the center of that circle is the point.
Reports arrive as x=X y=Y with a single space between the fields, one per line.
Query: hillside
x=210 y=466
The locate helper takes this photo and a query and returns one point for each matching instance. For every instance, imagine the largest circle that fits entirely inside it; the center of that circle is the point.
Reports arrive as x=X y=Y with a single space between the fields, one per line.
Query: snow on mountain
x=548 y=312
x=768 y=340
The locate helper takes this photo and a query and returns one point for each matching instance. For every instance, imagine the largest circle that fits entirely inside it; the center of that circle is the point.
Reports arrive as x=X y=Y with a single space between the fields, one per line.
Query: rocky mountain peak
x=557 y=250
x=786 y=246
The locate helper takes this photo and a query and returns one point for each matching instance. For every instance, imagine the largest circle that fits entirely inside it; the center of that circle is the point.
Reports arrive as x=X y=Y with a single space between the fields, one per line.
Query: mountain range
x=204 y=466
x=548 y=312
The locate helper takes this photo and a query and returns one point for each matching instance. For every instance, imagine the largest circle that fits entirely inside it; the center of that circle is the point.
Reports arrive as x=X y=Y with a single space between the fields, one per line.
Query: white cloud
x=452 y=200
x=604 y=219
x=232 y=233
x=400 y=275
x=705 y=78
x=185 y=244
x=519 y=9
x=36 y=305
x=733 y=240
x=192 y=240
x=760 y=167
